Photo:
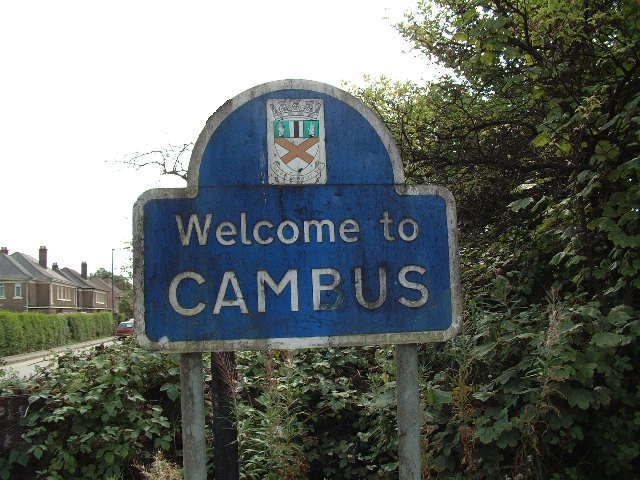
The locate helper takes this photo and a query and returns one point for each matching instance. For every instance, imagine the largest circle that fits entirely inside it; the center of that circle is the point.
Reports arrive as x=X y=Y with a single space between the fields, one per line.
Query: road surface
x=25 y=365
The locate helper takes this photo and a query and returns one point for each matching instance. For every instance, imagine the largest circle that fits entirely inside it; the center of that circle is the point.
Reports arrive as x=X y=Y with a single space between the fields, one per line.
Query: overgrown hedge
x=536 y=393
x=27 y=332
x=98 y=415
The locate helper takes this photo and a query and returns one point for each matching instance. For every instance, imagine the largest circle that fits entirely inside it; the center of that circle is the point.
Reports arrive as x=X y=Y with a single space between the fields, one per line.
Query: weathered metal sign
x=295 y=230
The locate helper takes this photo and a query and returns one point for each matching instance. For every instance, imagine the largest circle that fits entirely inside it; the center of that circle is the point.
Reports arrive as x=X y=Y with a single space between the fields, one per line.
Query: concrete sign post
x=295 y=230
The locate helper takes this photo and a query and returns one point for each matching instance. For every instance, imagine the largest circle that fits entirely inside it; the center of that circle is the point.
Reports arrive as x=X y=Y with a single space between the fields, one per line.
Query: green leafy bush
x=96 y=415
x=525 y=392
x=535 y=392
x=26 y=332
x=317 y=414
x=12 y=334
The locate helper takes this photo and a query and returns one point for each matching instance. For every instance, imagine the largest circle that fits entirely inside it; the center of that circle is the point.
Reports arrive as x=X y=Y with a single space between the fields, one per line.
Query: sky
x=86 y=85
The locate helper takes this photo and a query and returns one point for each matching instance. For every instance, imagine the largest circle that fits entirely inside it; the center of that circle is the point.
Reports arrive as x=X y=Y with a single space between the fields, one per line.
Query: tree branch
x=169 y=160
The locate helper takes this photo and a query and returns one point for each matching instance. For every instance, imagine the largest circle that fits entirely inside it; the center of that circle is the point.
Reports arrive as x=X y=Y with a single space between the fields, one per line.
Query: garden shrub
x=12 y=335
x=317 y=414
x=526 y=391
x=29 y=331
x=535 y=392
x=98 y=414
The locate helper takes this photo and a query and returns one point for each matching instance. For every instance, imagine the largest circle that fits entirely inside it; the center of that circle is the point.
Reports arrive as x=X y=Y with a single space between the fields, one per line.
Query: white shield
x=295 y=137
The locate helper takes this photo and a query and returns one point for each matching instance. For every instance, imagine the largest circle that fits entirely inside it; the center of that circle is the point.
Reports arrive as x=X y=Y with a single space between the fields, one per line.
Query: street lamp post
x=113 y=310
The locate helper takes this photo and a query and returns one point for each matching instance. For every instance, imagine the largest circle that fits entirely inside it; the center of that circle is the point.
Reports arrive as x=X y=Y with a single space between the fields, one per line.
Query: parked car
x=125 y=329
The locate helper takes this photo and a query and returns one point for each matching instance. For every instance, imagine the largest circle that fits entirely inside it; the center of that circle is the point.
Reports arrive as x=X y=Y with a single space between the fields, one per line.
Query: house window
x=100 y=298
x=64 y=293
x=2 y=291
x=18 y=291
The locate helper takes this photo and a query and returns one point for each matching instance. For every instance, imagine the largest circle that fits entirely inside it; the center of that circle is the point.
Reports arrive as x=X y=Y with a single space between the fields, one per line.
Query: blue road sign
x=295 y=230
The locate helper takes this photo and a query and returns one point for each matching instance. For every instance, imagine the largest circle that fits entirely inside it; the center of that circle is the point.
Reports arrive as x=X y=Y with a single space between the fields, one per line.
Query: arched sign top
x=294 y=132
x=295 y=230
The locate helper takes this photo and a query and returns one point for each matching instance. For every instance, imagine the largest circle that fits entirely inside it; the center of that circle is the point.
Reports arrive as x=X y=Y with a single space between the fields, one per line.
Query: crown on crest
x=296 y=108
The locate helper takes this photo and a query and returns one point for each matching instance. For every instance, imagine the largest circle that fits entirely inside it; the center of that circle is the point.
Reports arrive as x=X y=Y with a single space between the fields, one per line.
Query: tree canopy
x=535 y=128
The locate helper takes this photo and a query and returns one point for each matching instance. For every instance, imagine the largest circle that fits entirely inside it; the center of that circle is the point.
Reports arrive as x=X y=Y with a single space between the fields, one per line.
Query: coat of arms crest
x=295 y=132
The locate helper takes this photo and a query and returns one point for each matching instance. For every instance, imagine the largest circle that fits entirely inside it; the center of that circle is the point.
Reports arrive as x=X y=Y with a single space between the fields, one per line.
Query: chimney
x=54 y=266
x=42 y=259
x=83 y=270
x=4 y=250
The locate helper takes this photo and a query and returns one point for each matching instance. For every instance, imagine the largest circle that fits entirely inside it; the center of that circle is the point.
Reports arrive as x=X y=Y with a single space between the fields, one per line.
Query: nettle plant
x=317 y=414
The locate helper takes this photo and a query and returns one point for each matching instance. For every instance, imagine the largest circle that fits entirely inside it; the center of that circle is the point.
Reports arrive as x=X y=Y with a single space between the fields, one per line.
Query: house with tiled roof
x=106 y=285
x=92 y=296
x=13 y=283
x=27 y=284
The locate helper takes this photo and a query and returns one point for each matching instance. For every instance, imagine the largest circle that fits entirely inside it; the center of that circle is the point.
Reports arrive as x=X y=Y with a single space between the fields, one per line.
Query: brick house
x=106 y=285
x=92 y=297
x=14 y=284
x=27 y=284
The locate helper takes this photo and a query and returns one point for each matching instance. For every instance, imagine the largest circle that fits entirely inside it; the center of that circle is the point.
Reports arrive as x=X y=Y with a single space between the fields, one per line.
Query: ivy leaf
x=619 y=315
x=609 y=339
x=579 y=397
x=172 y=389
x=486 y=435
x=437 y=398
x=541 y=139
x=482 y=350
x=520 y=204
x=483 y=396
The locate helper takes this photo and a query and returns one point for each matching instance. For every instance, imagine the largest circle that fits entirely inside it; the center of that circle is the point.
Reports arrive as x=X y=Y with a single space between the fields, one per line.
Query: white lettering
x=327 y=290
x=256 y=232
x=295 y=232
x=349 y=226
x=382 y=288
x=226 y=229
x=386 y=221
x=287 y=232
x=318 y=288
x=419 y=287
x=243 y=229
x=319 y=224
x=194 y=222
x=173 y=294
x=415 y=229
x=290 y=278
x=230 y=278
